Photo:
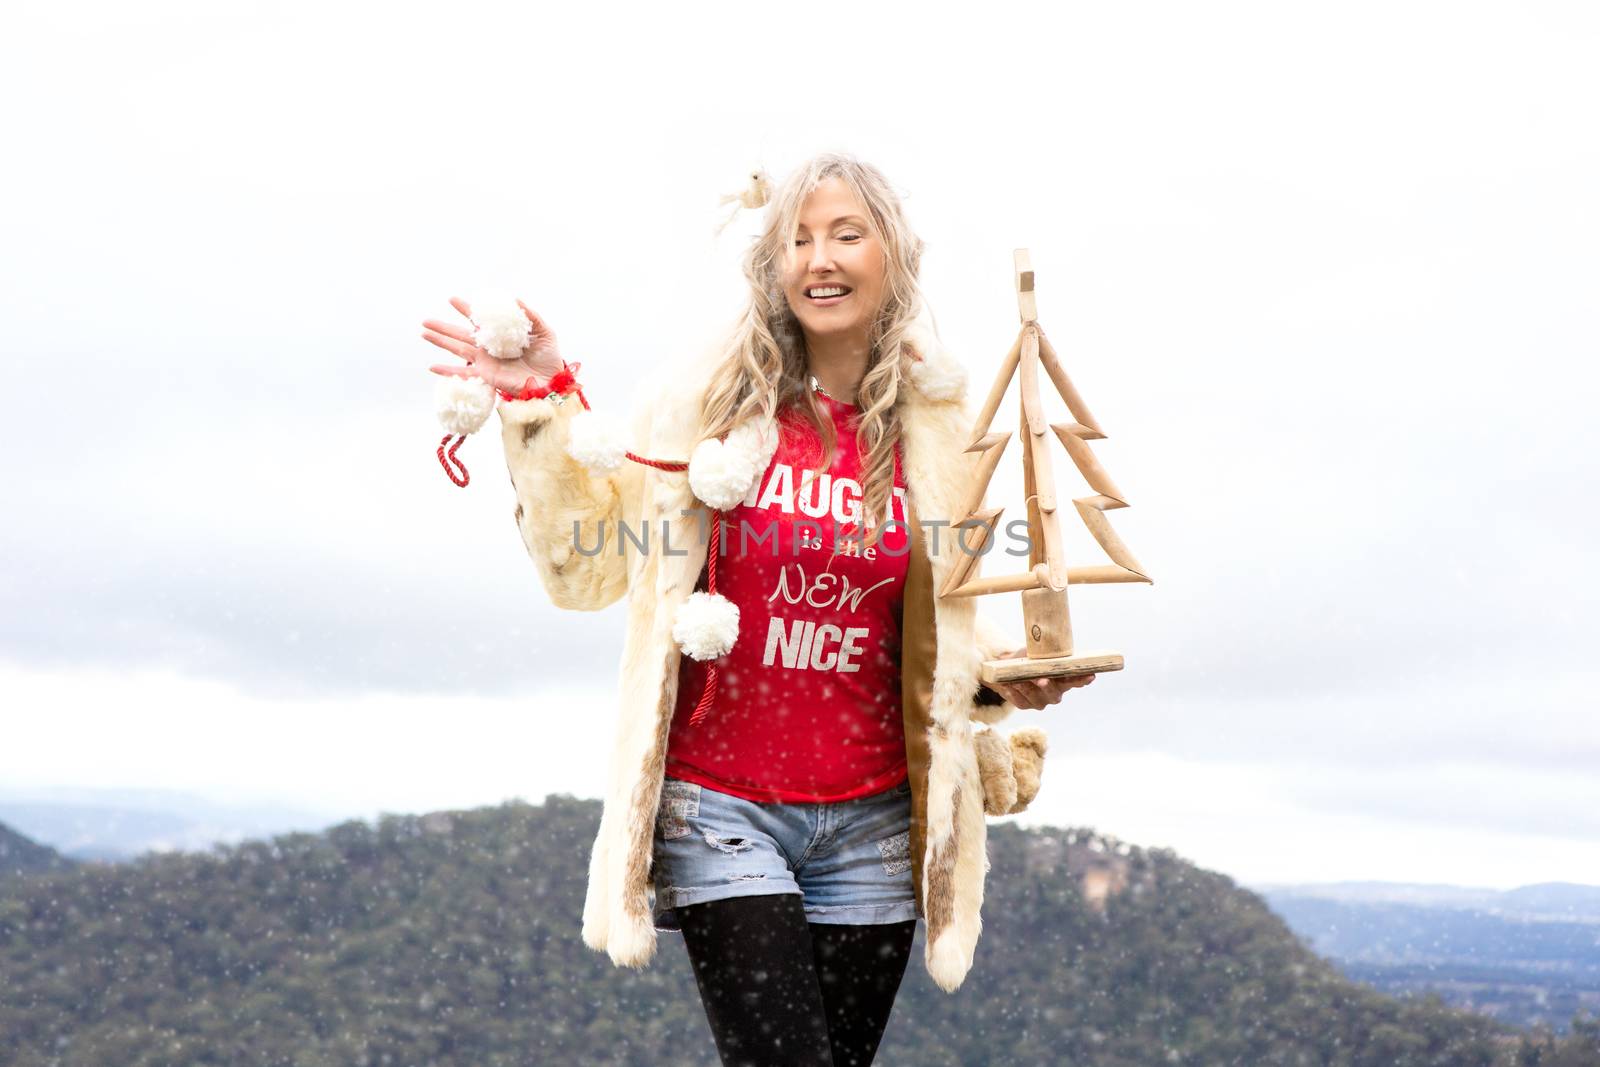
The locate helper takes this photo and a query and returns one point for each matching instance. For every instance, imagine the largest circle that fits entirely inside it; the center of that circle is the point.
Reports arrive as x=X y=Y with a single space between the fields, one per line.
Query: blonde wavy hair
x=763 y=370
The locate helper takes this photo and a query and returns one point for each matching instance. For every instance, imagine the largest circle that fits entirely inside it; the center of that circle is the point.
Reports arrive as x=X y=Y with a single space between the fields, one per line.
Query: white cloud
x=1325 y=277
x=1466 y=824
x=382 y=751
x=1258 y=820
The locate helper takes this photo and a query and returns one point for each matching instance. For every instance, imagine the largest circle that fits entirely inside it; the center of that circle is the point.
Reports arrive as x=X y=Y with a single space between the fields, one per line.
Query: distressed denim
x=850 y=861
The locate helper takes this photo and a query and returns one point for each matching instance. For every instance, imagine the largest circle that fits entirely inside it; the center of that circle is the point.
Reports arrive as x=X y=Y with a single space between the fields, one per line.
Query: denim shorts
x=850 y=860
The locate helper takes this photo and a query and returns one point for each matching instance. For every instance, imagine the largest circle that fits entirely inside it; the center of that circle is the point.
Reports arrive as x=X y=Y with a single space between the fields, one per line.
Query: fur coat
x=959 y=770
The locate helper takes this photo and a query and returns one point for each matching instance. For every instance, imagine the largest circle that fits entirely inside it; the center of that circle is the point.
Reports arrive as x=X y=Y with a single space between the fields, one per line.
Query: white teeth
x=835 y=291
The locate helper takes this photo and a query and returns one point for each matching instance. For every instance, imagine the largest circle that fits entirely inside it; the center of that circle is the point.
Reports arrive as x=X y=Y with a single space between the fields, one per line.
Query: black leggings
x=782 y=992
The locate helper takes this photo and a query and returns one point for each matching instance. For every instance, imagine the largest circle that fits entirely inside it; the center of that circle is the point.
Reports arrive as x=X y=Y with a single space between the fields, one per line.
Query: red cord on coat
x=708 y=694
x=713 y=550
x=465 y=477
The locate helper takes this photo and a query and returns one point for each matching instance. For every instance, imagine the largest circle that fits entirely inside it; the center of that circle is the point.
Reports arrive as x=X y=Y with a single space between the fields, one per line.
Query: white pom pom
x=597 y=441
x=759 y=440
x=721 y=472
x=462 y=404
x=706 y=626
x=718 y=474
x=503 y=330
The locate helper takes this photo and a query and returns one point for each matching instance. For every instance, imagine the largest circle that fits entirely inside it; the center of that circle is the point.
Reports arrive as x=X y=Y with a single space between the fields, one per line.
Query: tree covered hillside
x=20 y=855
x=453 y=939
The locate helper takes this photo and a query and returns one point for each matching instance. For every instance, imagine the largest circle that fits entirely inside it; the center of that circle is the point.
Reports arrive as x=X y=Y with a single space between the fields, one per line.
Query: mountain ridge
x=452 y=937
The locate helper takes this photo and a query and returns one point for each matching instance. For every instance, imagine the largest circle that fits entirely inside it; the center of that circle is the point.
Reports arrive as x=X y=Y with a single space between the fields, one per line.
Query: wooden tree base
x=1016 y=670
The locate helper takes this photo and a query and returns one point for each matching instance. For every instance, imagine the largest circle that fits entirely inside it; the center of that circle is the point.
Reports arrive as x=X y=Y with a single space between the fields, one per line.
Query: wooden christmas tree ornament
x=1044 y=584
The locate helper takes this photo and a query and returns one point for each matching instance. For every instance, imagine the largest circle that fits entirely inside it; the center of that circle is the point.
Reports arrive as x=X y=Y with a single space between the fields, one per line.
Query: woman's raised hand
x=540 y=360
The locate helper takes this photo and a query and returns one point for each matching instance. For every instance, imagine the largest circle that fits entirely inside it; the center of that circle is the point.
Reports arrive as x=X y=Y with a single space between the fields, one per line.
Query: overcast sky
x=1327 y=277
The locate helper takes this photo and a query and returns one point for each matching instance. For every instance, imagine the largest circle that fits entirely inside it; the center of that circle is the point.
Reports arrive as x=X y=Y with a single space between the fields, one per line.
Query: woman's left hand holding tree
x=1038 y=693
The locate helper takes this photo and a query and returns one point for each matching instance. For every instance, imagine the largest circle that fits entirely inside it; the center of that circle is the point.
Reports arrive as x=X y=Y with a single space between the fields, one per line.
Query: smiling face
x=835 y=250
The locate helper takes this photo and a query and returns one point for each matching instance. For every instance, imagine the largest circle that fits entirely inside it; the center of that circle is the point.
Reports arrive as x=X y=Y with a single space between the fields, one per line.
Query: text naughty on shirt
x=808 y=701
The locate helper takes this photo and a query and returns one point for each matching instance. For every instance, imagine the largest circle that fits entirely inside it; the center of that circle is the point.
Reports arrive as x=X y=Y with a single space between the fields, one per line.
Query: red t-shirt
x=807 y=707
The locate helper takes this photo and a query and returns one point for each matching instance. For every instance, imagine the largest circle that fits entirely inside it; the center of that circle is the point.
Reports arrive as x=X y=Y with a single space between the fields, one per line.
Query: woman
x=796 y=778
